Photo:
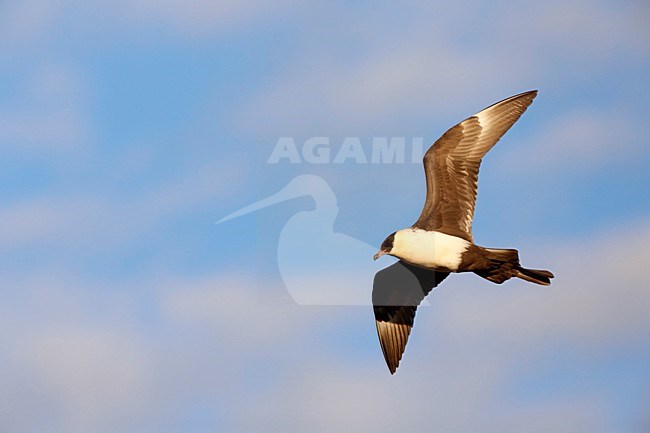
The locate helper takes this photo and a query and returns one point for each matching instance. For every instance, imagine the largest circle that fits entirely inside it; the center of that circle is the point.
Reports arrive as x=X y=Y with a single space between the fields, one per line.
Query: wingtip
x=526 y=96
x=530 y=93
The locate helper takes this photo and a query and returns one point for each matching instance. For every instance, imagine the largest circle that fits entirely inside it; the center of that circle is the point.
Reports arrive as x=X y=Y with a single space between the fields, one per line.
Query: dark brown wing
x=452 y=163
x=396 y=293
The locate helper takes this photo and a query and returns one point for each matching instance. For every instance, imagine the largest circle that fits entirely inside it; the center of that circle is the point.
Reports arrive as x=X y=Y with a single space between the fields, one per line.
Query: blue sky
x=127 y=129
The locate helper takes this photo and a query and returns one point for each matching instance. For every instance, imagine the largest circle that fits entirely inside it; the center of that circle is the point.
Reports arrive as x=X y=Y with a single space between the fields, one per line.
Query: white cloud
x=448 y=393
x=47 y=114
x=466 y=353
x=93 y=374
x=23 y=23
x=99 y=222
x=592 y=29
x=575 y=142
x=600 y=294
x=265 y=363
x=429 y=71
x=73 y=360
x=200 y=17
x=234 y=309
x=47 y=219
x=424 y=78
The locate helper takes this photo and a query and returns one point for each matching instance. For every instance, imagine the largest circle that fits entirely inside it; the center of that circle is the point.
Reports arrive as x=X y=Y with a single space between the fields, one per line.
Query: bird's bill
x=378 y=254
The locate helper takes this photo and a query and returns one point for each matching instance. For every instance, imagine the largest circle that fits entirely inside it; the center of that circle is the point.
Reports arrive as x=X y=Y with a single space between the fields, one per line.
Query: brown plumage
x=451 y=168
x=452 y=163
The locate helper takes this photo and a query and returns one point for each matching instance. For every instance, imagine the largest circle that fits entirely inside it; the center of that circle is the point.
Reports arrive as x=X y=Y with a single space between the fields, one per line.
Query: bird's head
x=386 y=246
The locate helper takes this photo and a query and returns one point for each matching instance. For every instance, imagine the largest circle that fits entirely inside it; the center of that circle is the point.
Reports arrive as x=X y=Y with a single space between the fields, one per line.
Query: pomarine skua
x=441 y=242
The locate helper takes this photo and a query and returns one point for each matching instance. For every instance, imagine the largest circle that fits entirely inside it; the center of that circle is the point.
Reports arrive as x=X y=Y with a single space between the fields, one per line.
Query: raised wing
x=451 y=166
x=396 y=293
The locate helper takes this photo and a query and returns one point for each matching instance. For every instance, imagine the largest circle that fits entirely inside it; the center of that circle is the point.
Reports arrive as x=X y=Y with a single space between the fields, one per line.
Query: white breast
x=429 y=249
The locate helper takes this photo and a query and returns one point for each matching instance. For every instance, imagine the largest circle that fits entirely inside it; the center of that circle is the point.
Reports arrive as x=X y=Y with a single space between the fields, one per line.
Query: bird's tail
x=504 y=264
x=537 y=276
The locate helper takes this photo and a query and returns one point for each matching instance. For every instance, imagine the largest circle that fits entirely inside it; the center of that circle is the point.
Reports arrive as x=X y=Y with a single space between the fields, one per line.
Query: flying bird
x=441 y=242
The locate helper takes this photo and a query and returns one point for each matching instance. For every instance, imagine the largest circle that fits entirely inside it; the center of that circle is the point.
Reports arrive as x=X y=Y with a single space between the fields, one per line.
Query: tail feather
x=503 y=255
x=536 y=276
x=505 y=265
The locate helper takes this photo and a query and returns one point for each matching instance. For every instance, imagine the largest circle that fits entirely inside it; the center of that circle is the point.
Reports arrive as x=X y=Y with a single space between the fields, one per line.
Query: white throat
x=429 y=249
